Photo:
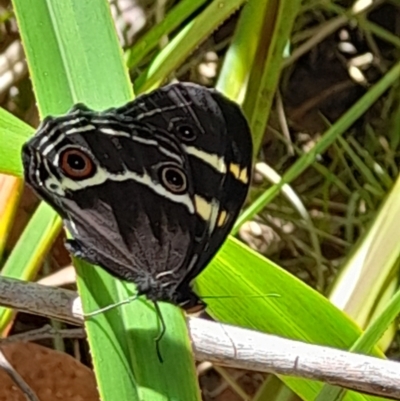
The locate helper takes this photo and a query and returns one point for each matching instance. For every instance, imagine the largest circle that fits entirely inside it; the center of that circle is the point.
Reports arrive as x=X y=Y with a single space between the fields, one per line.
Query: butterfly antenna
x=161 y=333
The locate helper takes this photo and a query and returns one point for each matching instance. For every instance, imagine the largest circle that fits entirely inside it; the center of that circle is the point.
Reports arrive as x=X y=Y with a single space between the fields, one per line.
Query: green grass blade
x=250 y=291
x=372 y=164
x=362 y=167
x=149 y=41
x=33 y=245
x=10 y=127
x=239 y=58
x=374 y=263
x=337 y=129
x=30 y=250
x=81 y=61
x=12 y=189
x=365 y=343
x=13 y=134
x=276 y=28
x=183 y=44
x=60 y=40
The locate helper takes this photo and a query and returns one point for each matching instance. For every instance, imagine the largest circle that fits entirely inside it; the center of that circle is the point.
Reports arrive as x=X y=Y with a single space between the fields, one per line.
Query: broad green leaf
x=245 y=289
x=72 y=52
x=80 y=61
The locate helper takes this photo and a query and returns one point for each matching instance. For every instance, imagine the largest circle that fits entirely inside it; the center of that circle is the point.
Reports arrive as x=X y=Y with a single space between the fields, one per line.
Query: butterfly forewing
x=150 y=190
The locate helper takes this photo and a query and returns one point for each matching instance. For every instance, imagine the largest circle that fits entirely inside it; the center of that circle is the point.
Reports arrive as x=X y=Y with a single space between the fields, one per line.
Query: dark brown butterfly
x=150 y=190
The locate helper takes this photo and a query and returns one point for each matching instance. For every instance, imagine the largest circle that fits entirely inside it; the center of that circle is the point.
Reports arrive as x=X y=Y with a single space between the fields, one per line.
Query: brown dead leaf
x=51 y=374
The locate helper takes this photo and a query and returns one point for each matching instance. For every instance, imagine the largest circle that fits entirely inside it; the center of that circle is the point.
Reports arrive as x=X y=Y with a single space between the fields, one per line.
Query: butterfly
x=150 y=190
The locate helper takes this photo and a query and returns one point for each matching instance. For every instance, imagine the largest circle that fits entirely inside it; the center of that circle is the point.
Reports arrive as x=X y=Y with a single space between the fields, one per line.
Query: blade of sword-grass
x=250 y=291
x=73 y=55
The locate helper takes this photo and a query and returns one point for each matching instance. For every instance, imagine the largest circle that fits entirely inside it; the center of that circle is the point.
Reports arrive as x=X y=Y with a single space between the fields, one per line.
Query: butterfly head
x=69 y=154
x=52 y=160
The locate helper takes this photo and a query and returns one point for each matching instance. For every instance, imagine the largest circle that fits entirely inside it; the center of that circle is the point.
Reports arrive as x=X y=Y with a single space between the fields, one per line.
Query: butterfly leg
x=162 y=331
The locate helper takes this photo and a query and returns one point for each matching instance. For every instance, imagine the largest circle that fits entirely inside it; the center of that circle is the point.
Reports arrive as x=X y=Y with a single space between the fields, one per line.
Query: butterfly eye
x=173 y=178
x=186 y=132
x=77 y=164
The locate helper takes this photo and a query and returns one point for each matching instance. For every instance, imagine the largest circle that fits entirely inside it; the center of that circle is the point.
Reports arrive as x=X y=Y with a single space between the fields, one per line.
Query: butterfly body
x=150 y=190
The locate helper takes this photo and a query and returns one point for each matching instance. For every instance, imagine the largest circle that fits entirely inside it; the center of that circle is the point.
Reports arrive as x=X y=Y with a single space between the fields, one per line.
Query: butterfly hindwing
x=219 y=149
